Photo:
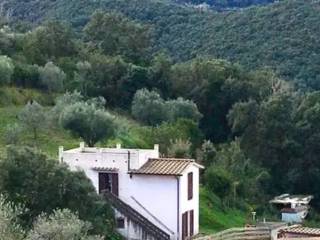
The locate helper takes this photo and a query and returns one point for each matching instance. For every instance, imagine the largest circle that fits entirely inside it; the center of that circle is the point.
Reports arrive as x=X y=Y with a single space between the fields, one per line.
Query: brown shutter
x=184 y=225
x=190 y=186
x=115 y=184
x=103 y=182
x=191 y=223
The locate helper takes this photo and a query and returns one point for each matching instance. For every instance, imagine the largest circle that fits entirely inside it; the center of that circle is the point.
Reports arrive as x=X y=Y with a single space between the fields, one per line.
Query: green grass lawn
x=48 y=141
x=214 y=217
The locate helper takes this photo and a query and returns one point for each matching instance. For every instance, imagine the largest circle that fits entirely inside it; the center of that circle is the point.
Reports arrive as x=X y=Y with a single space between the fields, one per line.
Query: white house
x=154 y=198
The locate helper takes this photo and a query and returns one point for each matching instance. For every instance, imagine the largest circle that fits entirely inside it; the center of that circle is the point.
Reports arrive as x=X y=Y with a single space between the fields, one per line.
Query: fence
x=252 y=233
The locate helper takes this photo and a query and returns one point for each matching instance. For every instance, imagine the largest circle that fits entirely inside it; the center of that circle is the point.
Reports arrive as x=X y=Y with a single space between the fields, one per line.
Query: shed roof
x=165 y=166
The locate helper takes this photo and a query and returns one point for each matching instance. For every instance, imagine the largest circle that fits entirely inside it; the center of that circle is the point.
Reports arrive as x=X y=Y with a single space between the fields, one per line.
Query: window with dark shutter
x=120 y=222
x=185 y=226
x=115 y=183
x=190 y=186
x=191 y=223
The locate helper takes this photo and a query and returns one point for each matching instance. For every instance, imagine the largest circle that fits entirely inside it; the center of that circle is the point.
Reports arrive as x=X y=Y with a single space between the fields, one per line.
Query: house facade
x=153 y=198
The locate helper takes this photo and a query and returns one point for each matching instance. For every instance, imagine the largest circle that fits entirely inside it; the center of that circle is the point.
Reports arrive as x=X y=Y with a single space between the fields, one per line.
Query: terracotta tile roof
x=302 y=230
x=104 y=169
x=165 y=166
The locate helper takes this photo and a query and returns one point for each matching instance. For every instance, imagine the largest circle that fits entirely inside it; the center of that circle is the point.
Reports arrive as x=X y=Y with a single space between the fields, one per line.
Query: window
x=191 y=223
x=185 y=226
x=120 y=222
x=109 y=182
x=190 y=186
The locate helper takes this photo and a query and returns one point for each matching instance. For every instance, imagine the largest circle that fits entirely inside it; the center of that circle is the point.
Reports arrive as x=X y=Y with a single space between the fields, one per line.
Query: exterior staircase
x=148 y=227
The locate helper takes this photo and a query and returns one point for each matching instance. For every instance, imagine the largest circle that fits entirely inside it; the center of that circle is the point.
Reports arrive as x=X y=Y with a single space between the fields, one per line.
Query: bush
x=180 y=149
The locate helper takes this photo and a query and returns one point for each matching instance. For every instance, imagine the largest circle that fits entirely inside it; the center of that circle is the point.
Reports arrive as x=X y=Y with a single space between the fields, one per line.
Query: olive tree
x=33 y=118
x=61 y=225
x=88 y=121
x=9 y=229
x=148 y=107
x=52 y=77
x=182 y=108
x=6 y=70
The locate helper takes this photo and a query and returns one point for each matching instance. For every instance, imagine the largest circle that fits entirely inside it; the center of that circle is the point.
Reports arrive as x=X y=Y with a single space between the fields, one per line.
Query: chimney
x=60 y=154
x=156 y=148
x=118 y=145
x=82 y=146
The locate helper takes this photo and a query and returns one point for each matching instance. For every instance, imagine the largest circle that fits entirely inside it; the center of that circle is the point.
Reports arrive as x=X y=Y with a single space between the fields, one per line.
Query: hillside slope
x=283 y=35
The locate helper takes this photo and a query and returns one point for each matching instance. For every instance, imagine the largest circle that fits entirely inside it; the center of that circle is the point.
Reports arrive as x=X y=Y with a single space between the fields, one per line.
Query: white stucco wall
x=155 y=197
x=109 y=158
x=158 y=195
x=292 y=217
x=193 y=204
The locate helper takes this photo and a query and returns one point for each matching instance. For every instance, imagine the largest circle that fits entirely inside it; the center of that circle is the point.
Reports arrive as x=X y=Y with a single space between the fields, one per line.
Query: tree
x=52 y=77
x=6 y=70
x=61 y=225
x=61 y=102
x=88 y=121
x=181 y=108
x=49 y=42
x=81 y=77
x=116 y=35
x=148 y=107
x=33 y=118
x=219 y=181
x=215 y=86
x=43 y=185
x=9 y=215
x=160 y=72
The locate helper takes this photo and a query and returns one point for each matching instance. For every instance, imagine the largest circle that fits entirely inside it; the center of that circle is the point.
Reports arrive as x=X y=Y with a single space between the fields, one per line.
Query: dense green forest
x=222 y=88
x=282 y=36
x=227 y=3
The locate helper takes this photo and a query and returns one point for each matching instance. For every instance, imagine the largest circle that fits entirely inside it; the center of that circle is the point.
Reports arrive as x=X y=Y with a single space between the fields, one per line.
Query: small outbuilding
x=293 y=208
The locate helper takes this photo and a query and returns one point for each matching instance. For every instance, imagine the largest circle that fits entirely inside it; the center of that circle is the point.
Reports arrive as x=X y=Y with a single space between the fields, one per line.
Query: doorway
x=109 y=182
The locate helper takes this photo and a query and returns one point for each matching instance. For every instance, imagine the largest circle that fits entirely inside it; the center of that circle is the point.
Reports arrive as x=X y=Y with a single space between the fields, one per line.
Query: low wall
x=239 y=234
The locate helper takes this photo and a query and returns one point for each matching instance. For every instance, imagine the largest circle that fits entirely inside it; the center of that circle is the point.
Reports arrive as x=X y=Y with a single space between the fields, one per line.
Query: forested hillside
x=217 y=87
x=283 y=36
x=227 y=3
